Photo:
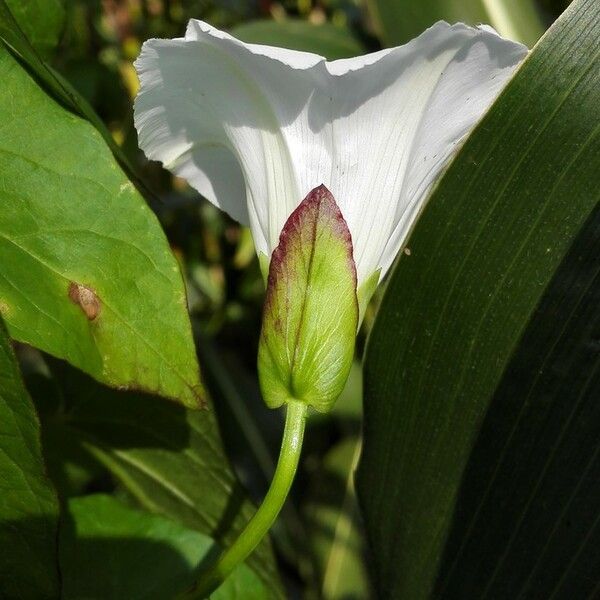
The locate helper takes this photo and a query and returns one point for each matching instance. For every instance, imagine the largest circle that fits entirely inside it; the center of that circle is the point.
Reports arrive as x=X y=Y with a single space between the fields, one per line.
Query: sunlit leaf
x=86 y=272
x=14 y=34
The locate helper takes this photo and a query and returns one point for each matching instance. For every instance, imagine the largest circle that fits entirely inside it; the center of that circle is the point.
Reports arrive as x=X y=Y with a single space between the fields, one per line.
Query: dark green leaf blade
x=28 y=503
x=496 y=229
x=526 y=522
x=86 y=273
x=113 y=552
x=328 y=40
x=170 y=460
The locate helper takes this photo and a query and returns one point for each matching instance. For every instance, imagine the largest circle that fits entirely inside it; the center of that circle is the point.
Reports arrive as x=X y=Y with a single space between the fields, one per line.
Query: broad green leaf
x=28 y=503
x=42 y=21
x=12 y=33
x=457 y=311
x=86 y=273
x=113 y=552
x=537 y=455
x=168 y=458
x=310 y=312
x=328 y=40
x=398 y=21
x=14 y=38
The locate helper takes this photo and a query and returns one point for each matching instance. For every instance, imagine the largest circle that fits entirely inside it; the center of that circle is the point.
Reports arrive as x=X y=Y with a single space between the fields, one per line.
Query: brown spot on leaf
x=86 y=299
x=407 y=251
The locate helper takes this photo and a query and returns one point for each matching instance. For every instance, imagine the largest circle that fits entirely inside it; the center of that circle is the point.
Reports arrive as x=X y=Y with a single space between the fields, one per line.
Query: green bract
x=311 y=309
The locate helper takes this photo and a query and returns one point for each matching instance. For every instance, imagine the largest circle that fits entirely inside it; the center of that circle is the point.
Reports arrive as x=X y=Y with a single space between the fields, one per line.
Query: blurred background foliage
x=318 y=541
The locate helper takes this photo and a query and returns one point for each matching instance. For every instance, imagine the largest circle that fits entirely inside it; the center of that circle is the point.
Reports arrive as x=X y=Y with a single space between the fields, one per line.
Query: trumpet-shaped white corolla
x=255 y=128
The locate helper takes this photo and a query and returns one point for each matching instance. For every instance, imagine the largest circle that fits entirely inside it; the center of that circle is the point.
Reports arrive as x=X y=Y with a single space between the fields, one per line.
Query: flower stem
x=263 y=519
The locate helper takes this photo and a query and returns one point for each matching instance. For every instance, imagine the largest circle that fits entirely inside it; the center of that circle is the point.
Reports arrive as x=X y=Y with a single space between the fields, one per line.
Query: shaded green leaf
x=168 y=458
x=42 y=21
x=13 y=35
x=398 y=21
x=455 y=311
x=526 y=521
x=28 y=504
x=333 y=523
x=328 y=40
x=111 y=551
x=86 y=274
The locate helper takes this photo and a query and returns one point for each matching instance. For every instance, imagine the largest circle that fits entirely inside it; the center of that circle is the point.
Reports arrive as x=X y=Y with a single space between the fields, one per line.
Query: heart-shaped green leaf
x=86 y=272
x=20 y=32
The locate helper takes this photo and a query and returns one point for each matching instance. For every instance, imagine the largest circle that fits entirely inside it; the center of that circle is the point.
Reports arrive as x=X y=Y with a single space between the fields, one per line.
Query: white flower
x=255 y=128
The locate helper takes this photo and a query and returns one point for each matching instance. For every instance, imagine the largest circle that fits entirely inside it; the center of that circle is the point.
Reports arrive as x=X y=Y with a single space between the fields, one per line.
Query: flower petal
x=255 y=128
x=399 y=119
x=219 y=113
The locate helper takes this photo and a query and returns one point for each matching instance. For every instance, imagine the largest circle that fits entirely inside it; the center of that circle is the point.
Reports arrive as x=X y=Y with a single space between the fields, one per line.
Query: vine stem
x=263 y=519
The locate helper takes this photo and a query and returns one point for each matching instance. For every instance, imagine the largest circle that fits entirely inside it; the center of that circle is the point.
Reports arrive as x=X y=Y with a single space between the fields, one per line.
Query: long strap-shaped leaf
x=527 y=519
x=456 y=312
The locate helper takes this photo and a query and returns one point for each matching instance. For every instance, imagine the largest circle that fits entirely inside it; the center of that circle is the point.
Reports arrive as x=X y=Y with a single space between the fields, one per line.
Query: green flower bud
x=311 y=309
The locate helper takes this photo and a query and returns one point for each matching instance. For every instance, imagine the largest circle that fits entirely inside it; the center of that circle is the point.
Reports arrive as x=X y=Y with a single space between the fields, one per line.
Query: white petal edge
x=255 y=128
